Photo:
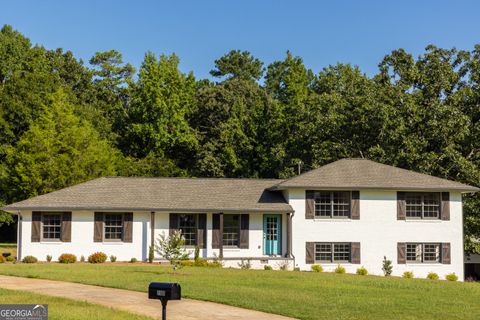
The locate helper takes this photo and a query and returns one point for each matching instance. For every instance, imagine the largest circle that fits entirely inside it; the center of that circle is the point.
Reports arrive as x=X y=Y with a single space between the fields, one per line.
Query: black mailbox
x=164 y=291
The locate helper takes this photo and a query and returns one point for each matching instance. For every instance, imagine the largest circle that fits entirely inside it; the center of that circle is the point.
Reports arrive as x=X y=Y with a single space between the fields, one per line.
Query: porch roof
x=163 y=194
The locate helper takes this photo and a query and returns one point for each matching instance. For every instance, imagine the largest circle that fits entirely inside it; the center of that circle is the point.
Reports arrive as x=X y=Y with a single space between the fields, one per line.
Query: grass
x=304 y=295
x=65 y=309
x=9 y=247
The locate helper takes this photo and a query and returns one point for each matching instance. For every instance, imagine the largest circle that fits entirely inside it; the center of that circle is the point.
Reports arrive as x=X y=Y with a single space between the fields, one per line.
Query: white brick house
x=351 y=212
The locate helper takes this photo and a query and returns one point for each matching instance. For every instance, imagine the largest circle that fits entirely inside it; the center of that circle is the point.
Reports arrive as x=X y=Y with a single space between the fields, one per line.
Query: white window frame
x=332 y=252
x=421 y=254
x=122 y=226
x=423 y=195
x=195 y=217
x=237 y=231
x=43 y=214
x=332 y=204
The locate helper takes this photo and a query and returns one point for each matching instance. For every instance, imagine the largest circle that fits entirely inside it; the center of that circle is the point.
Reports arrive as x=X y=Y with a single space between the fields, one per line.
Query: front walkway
x=132 y=301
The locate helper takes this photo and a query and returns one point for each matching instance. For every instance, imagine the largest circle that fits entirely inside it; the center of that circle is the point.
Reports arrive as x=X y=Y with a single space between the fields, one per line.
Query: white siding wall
x=82 y=239
x=378 y=231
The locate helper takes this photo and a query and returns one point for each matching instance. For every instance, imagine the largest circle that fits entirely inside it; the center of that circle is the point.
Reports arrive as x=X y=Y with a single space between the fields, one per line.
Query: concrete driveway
x=132 y=301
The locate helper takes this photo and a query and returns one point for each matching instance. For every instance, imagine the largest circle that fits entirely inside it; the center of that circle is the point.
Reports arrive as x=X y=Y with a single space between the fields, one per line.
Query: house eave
x=401 y=188
x=16 y=209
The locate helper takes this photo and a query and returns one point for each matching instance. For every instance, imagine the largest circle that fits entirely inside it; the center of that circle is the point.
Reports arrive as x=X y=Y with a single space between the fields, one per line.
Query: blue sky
x=321 y=32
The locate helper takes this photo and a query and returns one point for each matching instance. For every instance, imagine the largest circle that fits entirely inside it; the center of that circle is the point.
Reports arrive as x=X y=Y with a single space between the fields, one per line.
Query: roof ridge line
x=190 y=178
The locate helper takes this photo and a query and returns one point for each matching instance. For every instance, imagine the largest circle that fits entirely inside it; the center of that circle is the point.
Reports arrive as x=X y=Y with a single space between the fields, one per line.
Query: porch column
x=221 y=235
x=152 y=229
x=289 y=234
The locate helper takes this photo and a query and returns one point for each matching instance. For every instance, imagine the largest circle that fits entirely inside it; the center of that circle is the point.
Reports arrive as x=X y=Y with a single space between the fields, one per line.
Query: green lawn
x=9 y=247
x=64 y=309
x=304 y=295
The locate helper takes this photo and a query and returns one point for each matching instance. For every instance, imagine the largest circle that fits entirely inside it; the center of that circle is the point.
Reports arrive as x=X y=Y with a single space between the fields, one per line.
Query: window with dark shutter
x=98 y=227
x=36 y=224
x=401 y=206
x=332 y=204
x=128 y=227
x=66 y=228
x=202 y=231
x=309 y=204
x=231 y=230
x=215 y=230
x=422 y=205
x=192 y=226
x=244 y=231
x=188 y=226
x=422 y=252
x=51 y=226
x=355 y=205
x=446 y=255
x=401 y=253
x=445 y=206
x=310 y=252
x=173 y=223
x=336 y=252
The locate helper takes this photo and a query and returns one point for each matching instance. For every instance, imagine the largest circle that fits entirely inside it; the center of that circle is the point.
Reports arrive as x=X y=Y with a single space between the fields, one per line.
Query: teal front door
x=272 y=234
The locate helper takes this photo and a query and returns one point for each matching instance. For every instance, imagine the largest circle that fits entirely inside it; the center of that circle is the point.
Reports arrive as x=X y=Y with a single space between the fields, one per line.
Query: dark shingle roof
x=224 y=195
x=157 y=194
x=367 y=174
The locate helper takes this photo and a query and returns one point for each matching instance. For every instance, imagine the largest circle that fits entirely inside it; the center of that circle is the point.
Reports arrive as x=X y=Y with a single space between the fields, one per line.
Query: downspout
x=19 y=236
x=291 y=238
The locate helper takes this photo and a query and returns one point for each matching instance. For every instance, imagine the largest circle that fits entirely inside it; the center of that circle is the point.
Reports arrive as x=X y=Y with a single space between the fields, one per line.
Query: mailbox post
x=164 y=292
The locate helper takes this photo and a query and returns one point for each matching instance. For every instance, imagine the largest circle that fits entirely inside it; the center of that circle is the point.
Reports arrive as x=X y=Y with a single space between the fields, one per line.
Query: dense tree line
x=63 y=121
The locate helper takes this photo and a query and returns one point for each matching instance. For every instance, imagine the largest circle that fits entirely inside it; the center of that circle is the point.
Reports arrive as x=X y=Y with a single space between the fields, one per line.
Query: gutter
x=311 y=187
x=14 y=209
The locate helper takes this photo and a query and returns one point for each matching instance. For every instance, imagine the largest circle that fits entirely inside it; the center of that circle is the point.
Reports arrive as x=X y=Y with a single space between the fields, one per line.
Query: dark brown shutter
x=356 y=253
x=36 y=225
x=309 y=204
x=401 y=247
x=309 y=252
x=446 y=257
x=66 y=229
x=173 y=225
x=355 y=205
x=445 y=208
x=244 y=229
x=98 y=227
x=401 y=206
x=128 y=227
x=215 y=230
x=202 y=231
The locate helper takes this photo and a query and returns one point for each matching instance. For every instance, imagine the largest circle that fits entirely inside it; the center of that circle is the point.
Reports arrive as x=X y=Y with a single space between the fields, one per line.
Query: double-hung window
x=113 y=226
x=231 y=230
x=188 y=225
x=52 y=226
x=332 y=204
x=423 y=252
x=422 y=205
x=332 y=252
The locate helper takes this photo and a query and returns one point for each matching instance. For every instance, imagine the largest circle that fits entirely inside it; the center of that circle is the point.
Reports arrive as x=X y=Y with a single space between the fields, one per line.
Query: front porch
x=258 y=237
